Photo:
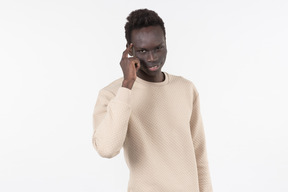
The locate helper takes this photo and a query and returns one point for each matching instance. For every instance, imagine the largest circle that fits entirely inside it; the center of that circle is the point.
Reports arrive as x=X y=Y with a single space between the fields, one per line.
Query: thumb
x=137 y=66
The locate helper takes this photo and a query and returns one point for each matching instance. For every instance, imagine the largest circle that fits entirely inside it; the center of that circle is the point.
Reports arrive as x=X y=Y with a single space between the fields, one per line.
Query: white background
x=56 y=55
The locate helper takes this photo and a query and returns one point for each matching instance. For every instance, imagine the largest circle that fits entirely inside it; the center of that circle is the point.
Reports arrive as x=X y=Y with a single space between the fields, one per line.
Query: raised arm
x=110 y=121
x=112 y=112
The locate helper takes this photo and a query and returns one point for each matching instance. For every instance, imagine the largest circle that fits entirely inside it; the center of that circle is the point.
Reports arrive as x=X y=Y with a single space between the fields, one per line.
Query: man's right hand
x=129 y=65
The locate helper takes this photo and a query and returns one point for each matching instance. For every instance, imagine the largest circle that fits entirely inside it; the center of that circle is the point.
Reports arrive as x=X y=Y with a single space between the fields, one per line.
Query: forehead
x=147 y=37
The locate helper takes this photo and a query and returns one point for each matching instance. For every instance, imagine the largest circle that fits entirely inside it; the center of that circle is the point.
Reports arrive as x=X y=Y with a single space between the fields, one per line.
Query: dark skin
x=148 y=54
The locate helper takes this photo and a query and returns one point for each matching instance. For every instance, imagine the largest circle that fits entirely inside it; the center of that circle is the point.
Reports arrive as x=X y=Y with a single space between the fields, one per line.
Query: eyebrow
x=162 y=43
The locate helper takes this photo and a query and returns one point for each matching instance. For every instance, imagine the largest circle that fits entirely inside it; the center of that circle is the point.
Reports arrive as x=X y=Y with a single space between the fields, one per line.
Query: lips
x=153 y=68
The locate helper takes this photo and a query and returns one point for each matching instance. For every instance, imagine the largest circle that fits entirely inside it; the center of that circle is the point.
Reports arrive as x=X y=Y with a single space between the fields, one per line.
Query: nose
x=151 y=56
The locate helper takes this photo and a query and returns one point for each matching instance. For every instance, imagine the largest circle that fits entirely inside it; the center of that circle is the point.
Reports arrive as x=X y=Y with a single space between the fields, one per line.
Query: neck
x=159 y=77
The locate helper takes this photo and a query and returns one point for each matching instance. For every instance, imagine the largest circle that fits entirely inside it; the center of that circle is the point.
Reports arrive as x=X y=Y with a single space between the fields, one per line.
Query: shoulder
x=113 y=87
x=182 y=82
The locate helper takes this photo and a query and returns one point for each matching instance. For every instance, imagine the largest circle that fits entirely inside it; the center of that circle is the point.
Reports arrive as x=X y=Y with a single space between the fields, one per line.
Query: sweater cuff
x=124 y=95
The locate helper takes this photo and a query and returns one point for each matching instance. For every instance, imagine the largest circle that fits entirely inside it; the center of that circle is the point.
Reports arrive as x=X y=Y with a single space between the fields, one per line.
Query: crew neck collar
x=166 y=80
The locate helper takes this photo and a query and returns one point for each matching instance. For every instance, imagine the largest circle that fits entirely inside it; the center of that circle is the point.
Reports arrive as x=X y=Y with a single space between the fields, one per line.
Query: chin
x=153 y=73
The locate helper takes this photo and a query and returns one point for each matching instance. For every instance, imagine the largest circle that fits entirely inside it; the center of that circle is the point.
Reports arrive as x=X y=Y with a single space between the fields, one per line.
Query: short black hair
x=142 y=18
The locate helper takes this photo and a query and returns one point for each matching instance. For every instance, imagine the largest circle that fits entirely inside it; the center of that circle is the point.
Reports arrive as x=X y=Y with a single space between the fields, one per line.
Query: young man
x=153 y=115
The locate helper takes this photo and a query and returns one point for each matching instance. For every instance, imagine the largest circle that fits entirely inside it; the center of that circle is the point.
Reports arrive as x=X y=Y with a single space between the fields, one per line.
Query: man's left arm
x=198 y=136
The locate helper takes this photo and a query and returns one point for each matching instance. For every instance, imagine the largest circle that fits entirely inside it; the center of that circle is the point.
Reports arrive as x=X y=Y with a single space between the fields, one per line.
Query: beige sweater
x=160 y=128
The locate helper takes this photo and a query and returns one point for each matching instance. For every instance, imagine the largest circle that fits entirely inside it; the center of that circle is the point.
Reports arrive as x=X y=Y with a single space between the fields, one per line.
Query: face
x=149 y=46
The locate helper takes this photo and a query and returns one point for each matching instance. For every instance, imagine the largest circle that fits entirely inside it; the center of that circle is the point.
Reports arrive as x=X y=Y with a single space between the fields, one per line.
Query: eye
x=141 y=51
x=160 y=47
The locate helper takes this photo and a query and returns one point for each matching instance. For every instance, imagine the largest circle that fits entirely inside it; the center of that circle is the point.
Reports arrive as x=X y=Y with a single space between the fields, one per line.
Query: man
x=153 y=115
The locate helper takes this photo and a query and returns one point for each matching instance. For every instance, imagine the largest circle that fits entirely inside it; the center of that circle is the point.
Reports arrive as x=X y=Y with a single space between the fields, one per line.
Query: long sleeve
x=110 y=121
x=198 y=137
x=159 y=126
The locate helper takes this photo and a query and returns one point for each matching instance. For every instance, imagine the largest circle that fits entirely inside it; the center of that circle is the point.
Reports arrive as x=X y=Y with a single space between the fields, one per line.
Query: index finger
x=126 y=52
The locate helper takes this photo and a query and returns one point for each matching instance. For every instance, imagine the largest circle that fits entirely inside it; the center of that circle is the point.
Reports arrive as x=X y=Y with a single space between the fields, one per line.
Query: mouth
x=154 y=68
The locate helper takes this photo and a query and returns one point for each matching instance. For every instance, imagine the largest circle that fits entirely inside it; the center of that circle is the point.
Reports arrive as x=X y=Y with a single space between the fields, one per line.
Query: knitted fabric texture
x=160 y=129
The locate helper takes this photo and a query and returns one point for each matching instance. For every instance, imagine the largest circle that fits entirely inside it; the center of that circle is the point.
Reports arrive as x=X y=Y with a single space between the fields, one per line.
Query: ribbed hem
x=124 y=95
